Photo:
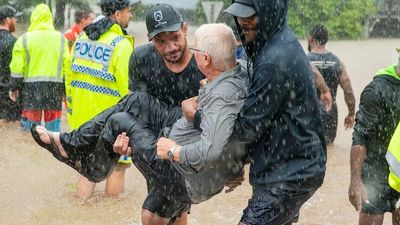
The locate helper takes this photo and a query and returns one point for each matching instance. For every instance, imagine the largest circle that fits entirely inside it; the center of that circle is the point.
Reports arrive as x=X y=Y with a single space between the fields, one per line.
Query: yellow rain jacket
x=39 y=61
x=98 y=76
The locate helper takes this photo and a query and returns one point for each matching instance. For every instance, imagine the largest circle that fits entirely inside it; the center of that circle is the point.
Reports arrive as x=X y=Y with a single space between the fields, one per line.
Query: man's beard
x=11 y=27
x=174 y=60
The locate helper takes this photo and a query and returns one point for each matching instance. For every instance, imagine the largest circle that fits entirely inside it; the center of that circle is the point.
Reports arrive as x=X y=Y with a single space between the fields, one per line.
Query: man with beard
x=280 y=118
x=166 y=69
x=9 y=110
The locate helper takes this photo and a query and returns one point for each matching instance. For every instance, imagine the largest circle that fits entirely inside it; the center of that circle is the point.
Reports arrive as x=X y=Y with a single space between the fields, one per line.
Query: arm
x=357 y=191
x=348 y=96
x=262 y=103
x=136 y=82
x=326 y=97
x=366 y=121
x=18 y=65
x=121 y=62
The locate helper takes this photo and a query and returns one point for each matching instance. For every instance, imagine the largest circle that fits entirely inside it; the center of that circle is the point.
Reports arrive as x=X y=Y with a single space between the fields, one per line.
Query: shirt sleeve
x=267 y=91
x=218 y=118
x=136 y=82
x=367 y=115
x=18 y=64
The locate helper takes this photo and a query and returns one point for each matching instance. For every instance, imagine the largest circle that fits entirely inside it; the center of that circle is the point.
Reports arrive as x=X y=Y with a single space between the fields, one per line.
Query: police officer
x=99 y=77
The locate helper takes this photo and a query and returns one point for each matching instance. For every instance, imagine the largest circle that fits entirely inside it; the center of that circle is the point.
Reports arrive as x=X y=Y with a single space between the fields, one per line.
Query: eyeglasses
x=197 y=50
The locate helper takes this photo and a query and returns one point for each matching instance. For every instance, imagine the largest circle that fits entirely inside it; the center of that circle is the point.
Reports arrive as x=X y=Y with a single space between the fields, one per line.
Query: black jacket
x=7 y=41
x=280 y=118
x=376 y=121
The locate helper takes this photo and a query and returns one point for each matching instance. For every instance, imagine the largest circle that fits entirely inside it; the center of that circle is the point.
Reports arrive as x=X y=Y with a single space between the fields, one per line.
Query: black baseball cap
x=8 y=12
x=162 y=18
x=241 y=8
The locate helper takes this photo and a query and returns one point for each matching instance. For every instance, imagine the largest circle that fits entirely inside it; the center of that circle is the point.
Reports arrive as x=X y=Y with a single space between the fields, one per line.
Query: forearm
x=357 y=157
x=350 y=101
x=319 y=81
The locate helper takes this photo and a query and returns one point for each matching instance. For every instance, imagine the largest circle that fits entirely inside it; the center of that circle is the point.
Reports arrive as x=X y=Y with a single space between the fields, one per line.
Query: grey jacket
x=207 y=158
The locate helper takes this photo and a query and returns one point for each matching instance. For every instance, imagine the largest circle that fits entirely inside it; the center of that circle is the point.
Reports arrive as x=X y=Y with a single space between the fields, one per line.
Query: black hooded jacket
x=280 y=119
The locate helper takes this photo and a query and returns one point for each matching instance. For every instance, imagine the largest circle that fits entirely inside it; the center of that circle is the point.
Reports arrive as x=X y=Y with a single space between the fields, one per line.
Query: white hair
x=218 y=40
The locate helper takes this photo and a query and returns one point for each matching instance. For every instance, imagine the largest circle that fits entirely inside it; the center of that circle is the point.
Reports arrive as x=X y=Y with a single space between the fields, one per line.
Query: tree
x=344 y=19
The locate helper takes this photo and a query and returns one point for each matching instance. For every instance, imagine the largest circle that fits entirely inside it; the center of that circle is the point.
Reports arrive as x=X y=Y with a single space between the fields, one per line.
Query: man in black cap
x=280 y=118
x=9 y=110
x=166 y=69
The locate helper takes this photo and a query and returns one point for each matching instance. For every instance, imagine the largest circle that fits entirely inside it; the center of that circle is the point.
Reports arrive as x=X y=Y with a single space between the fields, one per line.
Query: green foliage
x=344 y=18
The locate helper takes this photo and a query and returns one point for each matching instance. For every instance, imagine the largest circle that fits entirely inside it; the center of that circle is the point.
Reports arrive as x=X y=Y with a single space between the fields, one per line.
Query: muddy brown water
x=37 y=189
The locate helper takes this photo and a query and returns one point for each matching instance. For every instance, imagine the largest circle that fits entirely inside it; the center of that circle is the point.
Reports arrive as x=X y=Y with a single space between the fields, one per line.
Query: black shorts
x=274 y=206
x=382 y=198
x=159 y=204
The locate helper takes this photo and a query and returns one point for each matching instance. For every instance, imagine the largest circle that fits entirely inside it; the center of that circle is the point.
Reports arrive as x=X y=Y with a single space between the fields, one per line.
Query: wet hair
x=319 y=33
x=82 y=14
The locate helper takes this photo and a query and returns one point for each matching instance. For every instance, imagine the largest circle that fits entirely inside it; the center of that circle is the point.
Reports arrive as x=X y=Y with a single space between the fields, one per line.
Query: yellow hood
x=41 y=18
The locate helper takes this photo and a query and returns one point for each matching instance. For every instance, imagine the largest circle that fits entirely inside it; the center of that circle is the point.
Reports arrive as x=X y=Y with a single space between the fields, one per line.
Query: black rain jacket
x=280 y=119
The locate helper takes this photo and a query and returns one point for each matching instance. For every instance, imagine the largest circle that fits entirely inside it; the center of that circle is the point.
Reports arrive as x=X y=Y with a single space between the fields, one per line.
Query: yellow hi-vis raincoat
x=98 y=76
x=393 y=159
x=40 y=54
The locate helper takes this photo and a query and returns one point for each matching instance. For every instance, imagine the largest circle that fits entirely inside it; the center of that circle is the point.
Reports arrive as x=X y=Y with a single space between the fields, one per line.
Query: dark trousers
x=143 y=118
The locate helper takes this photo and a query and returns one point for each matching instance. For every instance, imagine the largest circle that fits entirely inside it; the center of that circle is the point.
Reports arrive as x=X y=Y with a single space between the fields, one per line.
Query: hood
x=389 y=71
x=272 y=15
x=96 y=29
x=41 y=18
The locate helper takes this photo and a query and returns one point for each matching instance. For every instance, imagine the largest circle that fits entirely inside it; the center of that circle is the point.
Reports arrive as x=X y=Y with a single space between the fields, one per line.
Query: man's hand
x=189 y=107
x=349 y=121
x=326 y=100
x=121 y=145
x=234 y=182
x=14 y=95
x=357 y=194
x=163 y=145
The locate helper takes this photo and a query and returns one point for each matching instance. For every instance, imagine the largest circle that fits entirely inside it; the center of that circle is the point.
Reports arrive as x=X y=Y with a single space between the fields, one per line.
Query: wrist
x=171 y=151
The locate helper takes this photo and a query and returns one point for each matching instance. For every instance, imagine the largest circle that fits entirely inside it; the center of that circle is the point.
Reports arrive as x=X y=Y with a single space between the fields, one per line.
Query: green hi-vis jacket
x=98 y=75
x=39 y=60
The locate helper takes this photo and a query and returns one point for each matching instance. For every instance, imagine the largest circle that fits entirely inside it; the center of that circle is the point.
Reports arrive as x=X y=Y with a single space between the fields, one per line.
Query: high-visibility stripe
x=25 y=43
x=60 y=58
x=69 y=99
x=393 y=163
x=17 y=75
x=95 y=88
x=44 y=79
x=93 y=72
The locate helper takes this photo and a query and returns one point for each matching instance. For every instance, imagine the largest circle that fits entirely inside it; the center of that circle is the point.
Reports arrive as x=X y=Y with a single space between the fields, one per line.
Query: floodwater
x=37 y=189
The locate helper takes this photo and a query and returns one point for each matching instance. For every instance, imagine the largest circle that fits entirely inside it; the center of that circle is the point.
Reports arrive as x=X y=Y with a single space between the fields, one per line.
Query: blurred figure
x=38 y=68
x=376 y=121
x=334 y=73
x=9 y=110
x=82 y=19
x=99 y=78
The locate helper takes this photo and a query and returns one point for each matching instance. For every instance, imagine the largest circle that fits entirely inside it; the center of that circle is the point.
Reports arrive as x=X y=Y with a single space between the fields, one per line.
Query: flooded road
x=37 y=189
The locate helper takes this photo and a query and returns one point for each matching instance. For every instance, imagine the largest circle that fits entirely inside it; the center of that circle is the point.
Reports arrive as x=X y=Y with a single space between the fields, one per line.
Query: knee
x=121 y=122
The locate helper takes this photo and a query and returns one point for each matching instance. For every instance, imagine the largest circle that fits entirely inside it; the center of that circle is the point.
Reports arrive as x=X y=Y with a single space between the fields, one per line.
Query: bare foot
x=44 y=137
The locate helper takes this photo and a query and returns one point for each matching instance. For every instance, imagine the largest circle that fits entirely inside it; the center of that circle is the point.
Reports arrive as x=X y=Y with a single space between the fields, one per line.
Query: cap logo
x=158 y=17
